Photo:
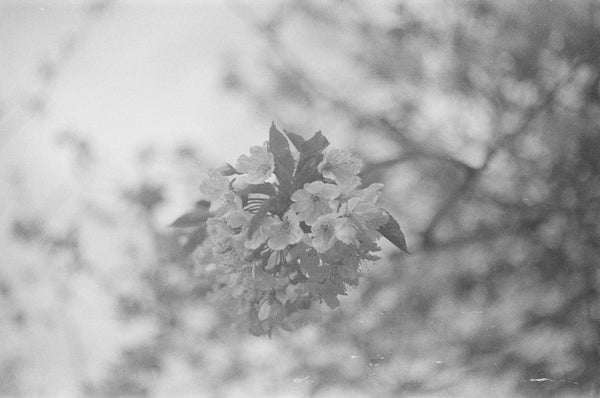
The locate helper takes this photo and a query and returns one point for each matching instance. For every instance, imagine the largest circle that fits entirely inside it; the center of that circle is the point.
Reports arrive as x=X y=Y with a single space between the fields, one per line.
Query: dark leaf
x=194 y=218
x=259 y=217
x=327 y=292
x=308 y=173
x=316 y=144
x=227 y=170
x=347 y=272
x=296 y=139
x=202 y=204
x=331 y=300
x=305 y=227
x=284 y=161
x=194 y=240
x=312 y=148
x=273 y=263
x=392 y=232
x=310 y=156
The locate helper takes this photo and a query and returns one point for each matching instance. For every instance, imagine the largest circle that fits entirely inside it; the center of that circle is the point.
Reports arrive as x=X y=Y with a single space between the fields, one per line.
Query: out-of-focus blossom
x=285 y=232
x=257 y=167
x=239 y=221
x=221 y=235
x=339 y=165
x=316 y=199
x=215 y=185
x=323 y=232
x=216 y=188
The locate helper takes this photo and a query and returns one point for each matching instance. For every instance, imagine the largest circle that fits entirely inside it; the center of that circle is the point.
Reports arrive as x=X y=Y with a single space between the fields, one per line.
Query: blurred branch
x=417 y=150
x=48 y=72
x=413 y=150
x=473 y=175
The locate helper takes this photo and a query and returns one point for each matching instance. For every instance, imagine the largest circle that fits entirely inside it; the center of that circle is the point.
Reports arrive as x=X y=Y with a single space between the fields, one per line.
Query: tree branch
x=473 y=175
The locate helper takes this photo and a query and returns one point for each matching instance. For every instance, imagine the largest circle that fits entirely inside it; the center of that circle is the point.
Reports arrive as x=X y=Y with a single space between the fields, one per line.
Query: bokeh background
x=481 y=117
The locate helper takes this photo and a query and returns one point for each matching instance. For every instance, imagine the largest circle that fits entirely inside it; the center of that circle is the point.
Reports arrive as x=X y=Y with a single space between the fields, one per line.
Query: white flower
x=370 y=194
x=228 y=202
x=285 y=232
x=348 y=187
x=345 y=230
x=339 y=165
x=215 y=185
x=239 y=221
x=261 y=234
x=316 y=199
x=330 y=228
x=367 y=217
x=258 y=167
x=323 y=232
x=222 y=199
x=221 y=235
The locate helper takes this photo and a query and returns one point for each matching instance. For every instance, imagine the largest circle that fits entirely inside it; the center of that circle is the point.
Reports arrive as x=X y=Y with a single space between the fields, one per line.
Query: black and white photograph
x=299 y=198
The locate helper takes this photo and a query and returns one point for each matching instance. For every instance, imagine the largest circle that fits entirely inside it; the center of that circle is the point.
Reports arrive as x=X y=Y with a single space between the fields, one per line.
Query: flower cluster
x=291 y=224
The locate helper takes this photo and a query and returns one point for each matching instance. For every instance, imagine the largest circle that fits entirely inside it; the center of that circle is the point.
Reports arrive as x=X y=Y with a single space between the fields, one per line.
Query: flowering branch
x=291 y=224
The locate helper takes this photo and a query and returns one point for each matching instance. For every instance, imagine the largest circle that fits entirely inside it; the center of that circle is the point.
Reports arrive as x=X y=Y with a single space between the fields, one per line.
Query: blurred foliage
x=487 y=113
x=480 y=117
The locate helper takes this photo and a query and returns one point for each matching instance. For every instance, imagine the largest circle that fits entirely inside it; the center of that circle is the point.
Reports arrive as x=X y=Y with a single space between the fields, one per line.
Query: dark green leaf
x=284 y=161
x=192 y=219
x=259 y=217
x=296 y=139
x=392 y=232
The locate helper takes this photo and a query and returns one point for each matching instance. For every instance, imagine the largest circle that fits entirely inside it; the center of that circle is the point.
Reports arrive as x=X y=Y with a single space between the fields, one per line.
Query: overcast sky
x=142 y=73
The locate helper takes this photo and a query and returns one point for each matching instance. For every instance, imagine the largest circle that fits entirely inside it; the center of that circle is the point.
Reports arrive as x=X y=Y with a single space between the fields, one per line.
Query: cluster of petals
x=339 y=165
x=334 y=209
x=277 y=232
x=216 y=188
x=257 y=167
x=228 y=234
x=327 y=229
x=314 y=200
x=359 y=214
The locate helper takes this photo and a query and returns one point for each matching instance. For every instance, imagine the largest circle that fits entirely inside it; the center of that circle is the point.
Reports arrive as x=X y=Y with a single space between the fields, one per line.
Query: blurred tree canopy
x=482 y=119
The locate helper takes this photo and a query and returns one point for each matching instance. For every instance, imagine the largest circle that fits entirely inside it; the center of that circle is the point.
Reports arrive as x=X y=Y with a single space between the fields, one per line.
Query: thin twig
x=473 y=175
